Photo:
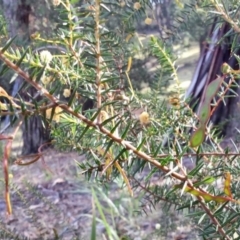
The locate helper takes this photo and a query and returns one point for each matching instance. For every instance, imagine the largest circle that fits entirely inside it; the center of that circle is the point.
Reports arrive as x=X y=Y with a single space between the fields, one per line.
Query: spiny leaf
x=206 y=180
x=54 y=89
x=95 y=115
x=197 y=137
x=72 y=97
x=40 y=74
x=227 y=183
x=125 y=178
x=141 y=144
x=212 y=89
x=107 y=148
x=126 y=130
x=109 y=120
x=204 y=112
x=8 y=44
x=206 y=196
x=4 y=69
x=22 y=57
x=83 y=133
x=116 y=126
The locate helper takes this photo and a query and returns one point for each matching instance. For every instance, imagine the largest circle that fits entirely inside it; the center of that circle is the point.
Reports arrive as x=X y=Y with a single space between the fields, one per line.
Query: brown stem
x=201 y=154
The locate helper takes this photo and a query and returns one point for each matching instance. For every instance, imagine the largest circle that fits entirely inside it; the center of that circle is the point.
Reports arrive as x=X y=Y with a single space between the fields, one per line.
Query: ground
x=51 y=199
x=54 y=198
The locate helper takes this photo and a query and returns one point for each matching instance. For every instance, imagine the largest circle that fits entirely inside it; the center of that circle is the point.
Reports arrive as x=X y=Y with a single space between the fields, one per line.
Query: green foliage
x=205 y=111
x=126 y=134
x=194 y=18
x=166 y=71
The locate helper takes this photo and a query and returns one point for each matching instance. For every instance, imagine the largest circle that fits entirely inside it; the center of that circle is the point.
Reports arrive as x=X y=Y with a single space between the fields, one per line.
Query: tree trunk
x=17 y=14
x=163 y=17
x=213 y=54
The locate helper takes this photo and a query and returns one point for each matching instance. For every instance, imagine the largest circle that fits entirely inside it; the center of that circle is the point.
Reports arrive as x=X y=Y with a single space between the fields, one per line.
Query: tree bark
x=213 y=54
x=162 y=12
x=17 y=15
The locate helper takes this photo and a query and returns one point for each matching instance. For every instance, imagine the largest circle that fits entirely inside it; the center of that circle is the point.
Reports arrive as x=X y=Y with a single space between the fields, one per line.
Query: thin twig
x=210 y=154
x=153 y=194
x=214 y=219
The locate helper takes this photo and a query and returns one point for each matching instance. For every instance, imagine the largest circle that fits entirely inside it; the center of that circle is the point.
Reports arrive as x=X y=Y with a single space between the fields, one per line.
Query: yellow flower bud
x=56 y=2
x=66 y=92
x=45 y=57
x=148 y=21
x=174 y=101
x=137 y=5
x=144 y=118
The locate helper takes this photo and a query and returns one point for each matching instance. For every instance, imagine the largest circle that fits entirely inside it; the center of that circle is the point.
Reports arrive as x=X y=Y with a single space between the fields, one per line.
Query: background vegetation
x=86 y=70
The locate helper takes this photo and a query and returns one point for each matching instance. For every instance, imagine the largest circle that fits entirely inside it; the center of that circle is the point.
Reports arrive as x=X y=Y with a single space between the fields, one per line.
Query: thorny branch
x=69 y=110
x=182 y=177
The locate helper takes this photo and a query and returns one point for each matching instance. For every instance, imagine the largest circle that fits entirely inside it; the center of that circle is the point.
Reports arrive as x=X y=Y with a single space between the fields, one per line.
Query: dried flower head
x=66 y=93
x=56 y=2
x=45 y=57
x=137 y=5
x=174 y=101
x=144 y=118
x=148 y=21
